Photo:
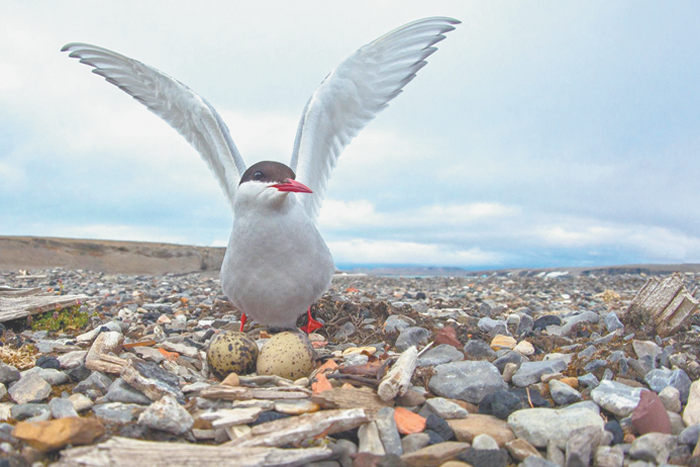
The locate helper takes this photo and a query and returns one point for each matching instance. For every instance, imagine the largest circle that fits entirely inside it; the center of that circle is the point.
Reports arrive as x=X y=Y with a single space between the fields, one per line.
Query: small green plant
x=66 y=319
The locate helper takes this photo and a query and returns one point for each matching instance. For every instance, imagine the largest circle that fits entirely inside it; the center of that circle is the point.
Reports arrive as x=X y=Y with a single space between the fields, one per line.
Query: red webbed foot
x=312 y=324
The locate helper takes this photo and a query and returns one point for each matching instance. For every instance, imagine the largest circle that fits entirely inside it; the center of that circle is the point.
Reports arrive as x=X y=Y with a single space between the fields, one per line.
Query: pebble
x=166 y=414
x=615 y=397
x=121 y=391
x=443 y=353
x=501 y=403
x=61 y=408
x=476 y=424
x=388 y=431
x=609 y=456
x=31 y=388
x=468 y=380
x=539 y=426
x=8 y=374
x=478 y=349
x=612 y=322
x=661 y=378
x=369 y=440
x=51 y=435
x=445 y=408
x=117 y=412
x=671 y=399
x=653 y=447
x=563 y=394
x=436 y=454
x=520 y=449
x=414 y=442
x=531 y=372
x=492 y=327
x=501 y=342
x=411 y=336
x=650 y=415
x=524 y=348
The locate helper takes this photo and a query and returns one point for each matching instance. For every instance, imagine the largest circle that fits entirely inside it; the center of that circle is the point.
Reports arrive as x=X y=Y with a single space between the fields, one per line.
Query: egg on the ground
x=232 y=352
x=288 y=354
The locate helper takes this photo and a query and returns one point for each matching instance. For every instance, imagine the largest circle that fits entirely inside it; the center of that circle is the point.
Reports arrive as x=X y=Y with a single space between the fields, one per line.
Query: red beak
x=292 y=185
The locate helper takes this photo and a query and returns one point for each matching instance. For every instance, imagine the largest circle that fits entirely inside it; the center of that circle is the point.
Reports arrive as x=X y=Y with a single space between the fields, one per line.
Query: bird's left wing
x=353 y=94
x=183 y=109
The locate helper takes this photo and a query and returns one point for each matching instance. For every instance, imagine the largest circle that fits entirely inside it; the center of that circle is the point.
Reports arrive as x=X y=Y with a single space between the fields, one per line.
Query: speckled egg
x=288 y=354
x=232 y=352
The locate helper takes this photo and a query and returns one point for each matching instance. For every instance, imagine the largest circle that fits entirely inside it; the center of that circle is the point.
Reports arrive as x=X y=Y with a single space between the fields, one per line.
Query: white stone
x=671 y=398
x=691 y=414
x=525 y=348
x=370 y=441
x=168 y=415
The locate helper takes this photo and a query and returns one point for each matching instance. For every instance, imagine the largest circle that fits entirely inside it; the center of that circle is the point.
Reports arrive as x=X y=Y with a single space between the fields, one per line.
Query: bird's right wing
x=183 y=109
x=353 y=94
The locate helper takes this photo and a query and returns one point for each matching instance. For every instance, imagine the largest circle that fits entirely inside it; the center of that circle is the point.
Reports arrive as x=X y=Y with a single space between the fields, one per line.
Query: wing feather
x=183 y=109
x=353 y=94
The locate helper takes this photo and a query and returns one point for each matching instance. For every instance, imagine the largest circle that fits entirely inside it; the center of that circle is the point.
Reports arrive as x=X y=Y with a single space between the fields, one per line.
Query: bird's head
x=269 y=182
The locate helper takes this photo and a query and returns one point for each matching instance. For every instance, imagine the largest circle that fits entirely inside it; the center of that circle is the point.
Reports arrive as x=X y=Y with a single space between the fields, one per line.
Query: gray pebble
x=166 y=414
x=31 y=388
x=117 y=412
x=8 y=374
x=563 y=394
x=443 y=353
x=468 y=380
x=531 y=372
x=61 y=408
x=121 y=391
x=411 y=336
x=478 y=349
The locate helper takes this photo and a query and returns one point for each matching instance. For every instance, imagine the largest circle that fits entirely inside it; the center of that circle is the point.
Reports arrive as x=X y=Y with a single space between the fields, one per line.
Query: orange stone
x=55 y=434
x=169 y=355
x=573 y=382
x=321 y=384
x=232 y=380
x=330 y=365
x=408 y=422
x=503 y=342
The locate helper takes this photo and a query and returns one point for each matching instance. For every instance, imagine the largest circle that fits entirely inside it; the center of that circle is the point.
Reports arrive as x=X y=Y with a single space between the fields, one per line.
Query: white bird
x=276 y=264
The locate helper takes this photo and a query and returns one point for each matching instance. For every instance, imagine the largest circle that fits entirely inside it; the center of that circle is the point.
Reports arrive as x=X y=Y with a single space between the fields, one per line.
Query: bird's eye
x=258 y=175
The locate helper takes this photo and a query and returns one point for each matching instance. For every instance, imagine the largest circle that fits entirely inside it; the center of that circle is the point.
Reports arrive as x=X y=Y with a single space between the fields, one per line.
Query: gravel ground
x=516 y=369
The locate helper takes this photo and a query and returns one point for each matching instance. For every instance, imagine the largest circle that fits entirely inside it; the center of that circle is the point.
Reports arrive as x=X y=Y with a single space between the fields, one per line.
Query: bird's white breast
x=276 y=264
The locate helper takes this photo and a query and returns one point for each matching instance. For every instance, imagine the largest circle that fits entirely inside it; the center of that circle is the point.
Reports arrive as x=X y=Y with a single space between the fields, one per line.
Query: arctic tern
x=276 y=264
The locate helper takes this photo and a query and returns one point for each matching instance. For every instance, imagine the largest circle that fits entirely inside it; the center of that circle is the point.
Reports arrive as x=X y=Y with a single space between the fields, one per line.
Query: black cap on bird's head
x=280 y=175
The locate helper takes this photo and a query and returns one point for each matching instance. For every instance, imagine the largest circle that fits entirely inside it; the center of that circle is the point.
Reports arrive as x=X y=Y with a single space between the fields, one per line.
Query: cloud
x=362 y=251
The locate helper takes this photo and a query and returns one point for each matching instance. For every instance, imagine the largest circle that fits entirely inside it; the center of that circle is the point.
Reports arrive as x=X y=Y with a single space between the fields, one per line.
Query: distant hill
x=106 y=255
x=158 y=258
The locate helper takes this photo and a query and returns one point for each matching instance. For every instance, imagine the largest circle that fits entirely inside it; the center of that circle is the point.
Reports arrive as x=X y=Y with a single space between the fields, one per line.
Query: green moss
x=66 y=319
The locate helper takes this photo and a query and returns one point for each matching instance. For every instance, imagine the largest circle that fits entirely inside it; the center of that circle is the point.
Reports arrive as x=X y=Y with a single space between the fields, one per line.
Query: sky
x=543 y=133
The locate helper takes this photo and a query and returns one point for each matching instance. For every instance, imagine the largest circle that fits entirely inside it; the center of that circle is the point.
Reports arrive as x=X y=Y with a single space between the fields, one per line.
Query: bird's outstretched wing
x=353 y=94
x=183 y=109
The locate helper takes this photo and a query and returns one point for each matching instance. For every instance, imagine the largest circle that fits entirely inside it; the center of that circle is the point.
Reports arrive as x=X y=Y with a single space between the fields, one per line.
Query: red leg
x=244 y=318
x=312 y=324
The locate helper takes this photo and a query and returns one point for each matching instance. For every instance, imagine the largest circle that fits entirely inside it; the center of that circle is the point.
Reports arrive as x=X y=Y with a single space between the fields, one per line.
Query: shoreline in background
x=130 y=257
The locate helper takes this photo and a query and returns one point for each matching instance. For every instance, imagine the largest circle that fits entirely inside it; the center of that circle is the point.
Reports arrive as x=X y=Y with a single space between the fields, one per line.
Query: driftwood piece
x=339 y=398
x=232 y=417
x=398 y=379
x=125 y=452
x=232 y=393
x=666 y=303
x=20 y=303
x=98 y=358
x=294 y=430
